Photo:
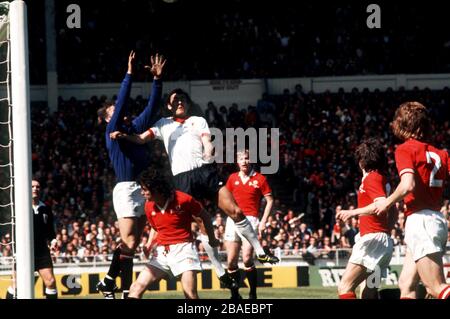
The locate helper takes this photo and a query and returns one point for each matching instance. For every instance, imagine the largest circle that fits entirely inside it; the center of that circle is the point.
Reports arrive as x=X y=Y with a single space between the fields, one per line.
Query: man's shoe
x=235 y=296
x=107 y=290
x=268 y=257
x=228 y=282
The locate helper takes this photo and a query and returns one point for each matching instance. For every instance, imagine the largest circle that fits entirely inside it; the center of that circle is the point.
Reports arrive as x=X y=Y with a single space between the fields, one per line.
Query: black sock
x=114 y=268
x=51 y=293
x=126 y=271
x=236 y=275
x=252 y=276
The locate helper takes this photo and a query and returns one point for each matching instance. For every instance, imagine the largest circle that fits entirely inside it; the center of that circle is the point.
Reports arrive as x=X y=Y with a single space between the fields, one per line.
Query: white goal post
x=20 y=99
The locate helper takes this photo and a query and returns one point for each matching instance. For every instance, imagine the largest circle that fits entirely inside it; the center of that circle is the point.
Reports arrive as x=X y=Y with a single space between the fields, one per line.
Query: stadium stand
x=317 y=176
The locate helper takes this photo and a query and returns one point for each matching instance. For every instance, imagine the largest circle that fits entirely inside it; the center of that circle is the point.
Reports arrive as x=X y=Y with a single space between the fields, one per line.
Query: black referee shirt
x=44 y=230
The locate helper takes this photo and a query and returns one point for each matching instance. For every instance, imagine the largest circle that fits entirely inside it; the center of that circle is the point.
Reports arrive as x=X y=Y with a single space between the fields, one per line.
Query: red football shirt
x=430 y=167
x=248 y=195
x=173 y=223
x=373 y=186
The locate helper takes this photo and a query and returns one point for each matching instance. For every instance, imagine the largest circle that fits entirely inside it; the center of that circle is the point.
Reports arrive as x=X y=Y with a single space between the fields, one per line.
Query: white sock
x=213 y=254
x=49 y=291
x=11 y=290
x=246 y=230
x=109 y=277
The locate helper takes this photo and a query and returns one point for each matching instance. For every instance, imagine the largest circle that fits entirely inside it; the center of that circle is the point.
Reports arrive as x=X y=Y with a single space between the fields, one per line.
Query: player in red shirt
x=248 y=188
x=372 y=252
x=423 y=169
x=169 y=213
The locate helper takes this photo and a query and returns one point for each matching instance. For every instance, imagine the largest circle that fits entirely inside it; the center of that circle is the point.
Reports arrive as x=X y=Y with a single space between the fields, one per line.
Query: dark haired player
x=128 y=161
x=169 y=213
x=374 y=247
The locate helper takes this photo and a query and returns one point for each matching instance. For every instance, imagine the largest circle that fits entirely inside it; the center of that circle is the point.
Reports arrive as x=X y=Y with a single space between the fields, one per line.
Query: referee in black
x=44 y=232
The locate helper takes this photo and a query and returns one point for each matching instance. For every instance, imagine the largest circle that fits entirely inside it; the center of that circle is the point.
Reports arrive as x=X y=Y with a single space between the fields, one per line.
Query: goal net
x=7 y=246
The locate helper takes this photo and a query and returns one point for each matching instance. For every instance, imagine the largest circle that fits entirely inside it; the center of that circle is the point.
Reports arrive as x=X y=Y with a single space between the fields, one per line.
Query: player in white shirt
x=187 y=140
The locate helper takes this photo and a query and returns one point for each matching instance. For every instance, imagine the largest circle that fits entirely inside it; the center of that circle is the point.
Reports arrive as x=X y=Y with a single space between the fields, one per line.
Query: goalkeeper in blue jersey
x=128 y=161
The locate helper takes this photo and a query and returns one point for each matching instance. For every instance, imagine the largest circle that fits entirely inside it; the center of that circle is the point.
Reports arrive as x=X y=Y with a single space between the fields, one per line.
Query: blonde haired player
x=248 y=188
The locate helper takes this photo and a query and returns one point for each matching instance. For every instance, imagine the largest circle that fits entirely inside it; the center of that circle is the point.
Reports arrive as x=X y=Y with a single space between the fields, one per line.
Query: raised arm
x=146 y=118
x=124 y=94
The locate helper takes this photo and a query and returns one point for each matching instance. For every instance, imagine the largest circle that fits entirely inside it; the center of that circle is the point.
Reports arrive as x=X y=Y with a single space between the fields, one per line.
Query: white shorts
x=426 y=233
x=180 y=258
x=373 y=250
x=128 y=200
x=231 y=234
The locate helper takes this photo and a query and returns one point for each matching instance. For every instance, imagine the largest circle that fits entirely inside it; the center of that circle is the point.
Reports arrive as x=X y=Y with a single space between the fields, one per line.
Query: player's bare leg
x=213 y=254
x=409 y=278
x=189 y=284
x=227 y=203
x=430 y=269
x=233 y=249
x=130 y=232
x=48 y=277
x=250 y=269
x=147 y=277
x=354 y=274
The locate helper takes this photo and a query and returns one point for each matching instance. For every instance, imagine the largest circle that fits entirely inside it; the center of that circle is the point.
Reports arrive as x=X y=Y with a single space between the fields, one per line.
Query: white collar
x=163 y=209
x=252 y=173
x=36 y=207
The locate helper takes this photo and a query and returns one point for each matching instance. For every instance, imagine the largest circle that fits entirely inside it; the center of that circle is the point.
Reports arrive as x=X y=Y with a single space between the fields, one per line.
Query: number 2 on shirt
x=437 y=165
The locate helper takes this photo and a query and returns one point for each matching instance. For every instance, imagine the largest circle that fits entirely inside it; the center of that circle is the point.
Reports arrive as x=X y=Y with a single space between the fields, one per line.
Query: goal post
x=20 y=99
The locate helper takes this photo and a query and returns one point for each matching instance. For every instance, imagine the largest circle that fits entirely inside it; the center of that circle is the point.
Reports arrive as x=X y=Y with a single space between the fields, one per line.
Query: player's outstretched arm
x=212 y=240
x=136 y=139
x=146 y=119
x=344 y=214
x=406 y=186
x=124 y=94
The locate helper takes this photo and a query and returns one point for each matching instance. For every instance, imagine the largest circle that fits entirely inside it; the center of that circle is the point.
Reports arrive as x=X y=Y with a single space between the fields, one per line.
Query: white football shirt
x=182 y=140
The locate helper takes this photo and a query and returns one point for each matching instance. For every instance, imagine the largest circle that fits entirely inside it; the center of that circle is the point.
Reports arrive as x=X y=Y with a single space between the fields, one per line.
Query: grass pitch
x=263 y=293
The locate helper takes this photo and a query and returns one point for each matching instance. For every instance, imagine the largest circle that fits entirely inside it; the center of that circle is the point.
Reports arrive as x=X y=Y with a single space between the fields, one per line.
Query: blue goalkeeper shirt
x=129 y=159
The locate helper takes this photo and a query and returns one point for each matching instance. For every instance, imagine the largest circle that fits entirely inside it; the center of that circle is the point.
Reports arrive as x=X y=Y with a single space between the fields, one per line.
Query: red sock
x=445 y=293
x=349 y=295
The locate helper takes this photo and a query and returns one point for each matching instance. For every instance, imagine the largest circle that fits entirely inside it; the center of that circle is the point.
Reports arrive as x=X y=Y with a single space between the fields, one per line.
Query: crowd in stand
x=240 y=39
x=318 y=135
